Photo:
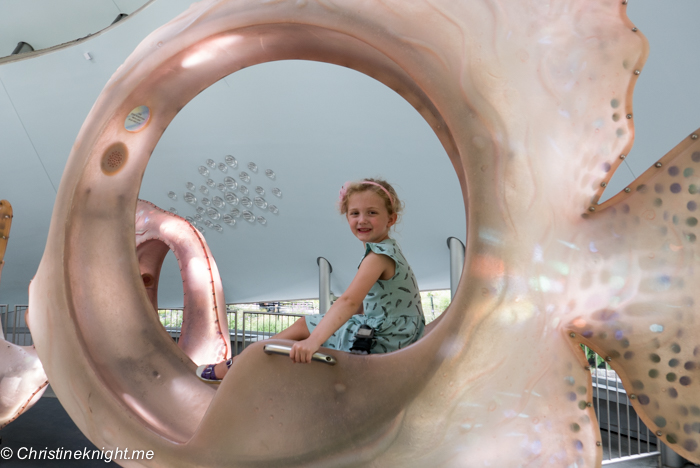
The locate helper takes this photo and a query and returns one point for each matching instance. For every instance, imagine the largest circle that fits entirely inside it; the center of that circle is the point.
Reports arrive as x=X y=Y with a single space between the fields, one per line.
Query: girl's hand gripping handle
x=286 y=351
x=303 y=351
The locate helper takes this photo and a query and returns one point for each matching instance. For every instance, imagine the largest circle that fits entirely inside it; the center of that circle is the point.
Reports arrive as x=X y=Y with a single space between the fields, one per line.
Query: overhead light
x=22 y=47
x=119 y=17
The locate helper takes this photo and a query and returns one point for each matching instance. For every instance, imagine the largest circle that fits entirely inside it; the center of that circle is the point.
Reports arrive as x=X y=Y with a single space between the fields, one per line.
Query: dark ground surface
x=45 y=426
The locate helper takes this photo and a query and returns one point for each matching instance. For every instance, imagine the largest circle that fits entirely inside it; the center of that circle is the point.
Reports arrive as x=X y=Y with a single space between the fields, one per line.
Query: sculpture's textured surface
x=204 y=335
x=634 y=294
x=532 y=102
x=22 y=379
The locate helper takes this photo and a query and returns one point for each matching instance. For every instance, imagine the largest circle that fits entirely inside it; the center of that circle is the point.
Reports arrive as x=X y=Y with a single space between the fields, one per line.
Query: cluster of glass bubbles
x=234 y=197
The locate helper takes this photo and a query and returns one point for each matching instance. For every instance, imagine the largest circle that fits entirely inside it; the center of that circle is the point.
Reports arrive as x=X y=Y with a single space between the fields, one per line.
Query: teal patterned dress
x=392 y=307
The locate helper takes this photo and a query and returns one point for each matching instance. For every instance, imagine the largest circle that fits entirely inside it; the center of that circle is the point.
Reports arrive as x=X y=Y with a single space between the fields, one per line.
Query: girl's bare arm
x=371 y=268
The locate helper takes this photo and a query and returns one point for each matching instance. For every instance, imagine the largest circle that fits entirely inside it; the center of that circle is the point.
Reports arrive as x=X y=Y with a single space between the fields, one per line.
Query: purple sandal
x=206 y=372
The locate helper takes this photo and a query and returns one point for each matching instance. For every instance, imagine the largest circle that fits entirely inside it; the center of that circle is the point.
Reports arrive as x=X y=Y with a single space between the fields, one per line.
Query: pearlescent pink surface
x=22 y=379
x=204 y=335
x=532 y=103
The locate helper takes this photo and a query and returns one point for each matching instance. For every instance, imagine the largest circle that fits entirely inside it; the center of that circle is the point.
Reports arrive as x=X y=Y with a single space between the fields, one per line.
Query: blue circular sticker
x=137 y=119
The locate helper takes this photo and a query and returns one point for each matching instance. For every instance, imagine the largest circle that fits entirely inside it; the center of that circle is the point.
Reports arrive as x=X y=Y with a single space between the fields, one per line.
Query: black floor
x=45 y=427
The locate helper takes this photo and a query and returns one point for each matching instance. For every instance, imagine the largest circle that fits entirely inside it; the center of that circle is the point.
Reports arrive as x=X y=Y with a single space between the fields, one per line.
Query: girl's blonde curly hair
x=379 y=186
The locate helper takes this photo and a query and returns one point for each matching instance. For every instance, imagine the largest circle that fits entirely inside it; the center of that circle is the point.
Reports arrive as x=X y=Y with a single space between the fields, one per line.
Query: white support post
x=456 y=263
x=669 y=458
x=324 y=285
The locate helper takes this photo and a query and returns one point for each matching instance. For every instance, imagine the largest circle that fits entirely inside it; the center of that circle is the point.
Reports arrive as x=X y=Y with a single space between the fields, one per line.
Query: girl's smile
x=368 y=217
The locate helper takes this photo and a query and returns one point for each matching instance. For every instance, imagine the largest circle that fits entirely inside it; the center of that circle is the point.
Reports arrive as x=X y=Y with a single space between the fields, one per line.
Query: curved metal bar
x=285 y=350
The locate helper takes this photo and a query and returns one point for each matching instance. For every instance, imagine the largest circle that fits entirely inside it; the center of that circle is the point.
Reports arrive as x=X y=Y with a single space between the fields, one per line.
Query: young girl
x=384 y=293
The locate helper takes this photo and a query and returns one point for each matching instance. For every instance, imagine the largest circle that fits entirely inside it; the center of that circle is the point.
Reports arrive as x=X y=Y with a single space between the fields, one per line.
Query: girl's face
x=368 y=217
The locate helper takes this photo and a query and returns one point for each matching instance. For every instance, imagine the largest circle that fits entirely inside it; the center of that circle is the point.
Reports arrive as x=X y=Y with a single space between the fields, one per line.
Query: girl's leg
x=297 y=332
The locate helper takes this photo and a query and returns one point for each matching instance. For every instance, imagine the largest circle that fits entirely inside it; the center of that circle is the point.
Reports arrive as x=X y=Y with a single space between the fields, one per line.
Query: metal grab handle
x=285 y=350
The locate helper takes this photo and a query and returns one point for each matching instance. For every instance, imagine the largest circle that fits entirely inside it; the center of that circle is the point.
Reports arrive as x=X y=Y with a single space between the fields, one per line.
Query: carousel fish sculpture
x=22 y=379
x=532 y=102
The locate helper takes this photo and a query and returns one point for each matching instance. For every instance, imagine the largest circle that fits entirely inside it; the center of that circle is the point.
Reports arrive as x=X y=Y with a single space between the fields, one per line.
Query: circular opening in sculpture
x=312 y=126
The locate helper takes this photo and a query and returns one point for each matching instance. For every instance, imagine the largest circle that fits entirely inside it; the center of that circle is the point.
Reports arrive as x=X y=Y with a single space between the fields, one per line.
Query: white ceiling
x=315 y=125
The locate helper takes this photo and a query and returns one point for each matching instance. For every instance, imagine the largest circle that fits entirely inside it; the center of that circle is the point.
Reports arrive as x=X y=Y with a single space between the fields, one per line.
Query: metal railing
x=14 y=327
x=255 y=325
x=233 y=325
x=258 y=326
x=171 y=319
x=624 y=435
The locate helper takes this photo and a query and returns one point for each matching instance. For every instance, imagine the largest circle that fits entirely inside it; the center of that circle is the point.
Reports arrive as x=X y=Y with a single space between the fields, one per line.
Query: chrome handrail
x=285 y=350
